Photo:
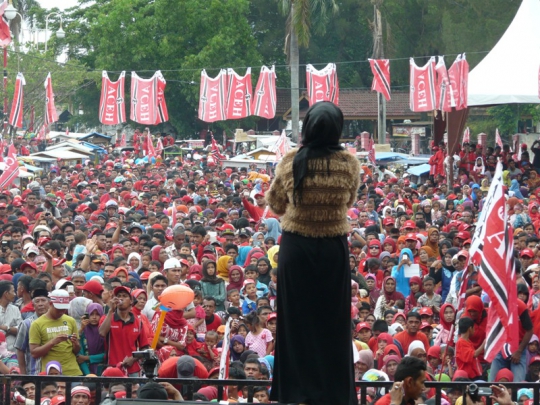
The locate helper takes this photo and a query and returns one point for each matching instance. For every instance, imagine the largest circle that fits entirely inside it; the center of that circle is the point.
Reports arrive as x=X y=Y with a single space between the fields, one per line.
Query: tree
x=303 y=17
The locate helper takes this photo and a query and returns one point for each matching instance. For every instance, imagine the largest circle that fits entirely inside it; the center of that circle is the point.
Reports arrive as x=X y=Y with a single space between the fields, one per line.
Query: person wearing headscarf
x=389 y=245
x=264 y=267
x=416 y=347
x=272 y=255
x=214 y=286
x=433 y=242
x=236 y=278
x=388 y=297
x=515 y=190
x=373 y=291
x=238 y=345
x=447 y=317
x=374 y=249
x=157 y=256
x=140 y=297
x=313 y=189
x=398 y=272
x=415 y=284
x=255 y=253
x=92 y=355
x=389 y=365
x=273 y=228
x=195 y=272
x=223 y=265
x=364 y=363
x=474 y=309
x=133 y=258
x=77 y=308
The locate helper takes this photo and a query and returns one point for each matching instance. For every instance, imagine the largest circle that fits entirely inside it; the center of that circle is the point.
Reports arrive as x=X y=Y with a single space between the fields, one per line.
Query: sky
x=61 y=4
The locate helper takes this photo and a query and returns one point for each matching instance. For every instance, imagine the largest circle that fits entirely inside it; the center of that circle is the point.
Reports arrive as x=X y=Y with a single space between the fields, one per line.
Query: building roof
x=356 y=104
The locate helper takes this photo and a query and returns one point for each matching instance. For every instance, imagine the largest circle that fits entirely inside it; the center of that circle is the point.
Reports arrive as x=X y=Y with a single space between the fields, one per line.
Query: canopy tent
x=509 y=72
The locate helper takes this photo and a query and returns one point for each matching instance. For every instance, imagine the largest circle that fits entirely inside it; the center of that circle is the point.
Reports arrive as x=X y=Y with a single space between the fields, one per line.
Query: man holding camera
x=123 y=332
x=54 y=336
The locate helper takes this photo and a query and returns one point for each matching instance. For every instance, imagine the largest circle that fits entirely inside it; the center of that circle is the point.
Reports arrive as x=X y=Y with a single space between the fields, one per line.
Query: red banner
x=151 y=152
x=322 y=85
x=459 y=76
x=212 y=106
x=11 y=169
x=50 y=110
x=443 y=89
x=112 y=107
x=238 y=95
x=5 y=33
x=381 y=77
x=144 y=100
x=17 y=111
x=422 y=92
x=492 y=251
x=265 y=94
x=163 y=112
x=216 y=153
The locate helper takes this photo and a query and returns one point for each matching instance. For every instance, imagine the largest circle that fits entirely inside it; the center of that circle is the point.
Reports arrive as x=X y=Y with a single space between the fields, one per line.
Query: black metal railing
x=190 y=386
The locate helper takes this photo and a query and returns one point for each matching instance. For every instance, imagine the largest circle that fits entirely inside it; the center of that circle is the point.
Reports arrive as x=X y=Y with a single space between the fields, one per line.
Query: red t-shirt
x=123 y=339
x=465 y=359
x=168 y=369
x=216 y=323
x=405 y=339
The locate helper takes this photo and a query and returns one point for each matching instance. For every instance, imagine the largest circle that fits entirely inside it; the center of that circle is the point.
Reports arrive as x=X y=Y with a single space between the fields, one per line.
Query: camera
x=475 y=392
x=149 y=361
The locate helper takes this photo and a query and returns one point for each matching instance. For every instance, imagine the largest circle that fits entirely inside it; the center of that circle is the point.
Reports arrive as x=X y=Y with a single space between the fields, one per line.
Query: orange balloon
x=176 y=297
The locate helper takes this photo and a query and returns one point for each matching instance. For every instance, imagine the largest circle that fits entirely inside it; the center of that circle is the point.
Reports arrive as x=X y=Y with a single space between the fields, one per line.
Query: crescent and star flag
x=162 y=111
x=491 y=250
x=322 y=85
x=144 y=100
x=381 y=76
x=50 y=110
x=498 y=139
x=17 y=112
x=212 y=102
x=265 y=94
x=11 y=169
x=5 y=32
x=443 y=89
x=112 y=106
x=422 y=81
x=238 y=95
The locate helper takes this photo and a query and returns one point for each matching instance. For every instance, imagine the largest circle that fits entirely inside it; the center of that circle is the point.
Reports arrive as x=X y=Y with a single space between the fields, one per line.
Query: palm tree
x=303 y=15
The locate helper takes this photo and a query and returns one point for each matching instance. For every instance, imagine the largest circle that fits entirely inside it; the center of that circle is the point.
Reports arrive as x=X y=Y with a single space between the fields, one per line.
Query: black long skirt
x=313 y=356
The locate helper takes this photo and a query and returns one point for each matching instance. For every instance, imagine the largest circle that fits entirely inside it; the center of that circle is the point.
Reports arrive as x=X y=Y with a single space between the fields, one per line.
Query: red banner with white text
x=422 y=92
x=17 y=106
x=265 y=94
x=212 y=103
x=112 y=107
x=238 y=95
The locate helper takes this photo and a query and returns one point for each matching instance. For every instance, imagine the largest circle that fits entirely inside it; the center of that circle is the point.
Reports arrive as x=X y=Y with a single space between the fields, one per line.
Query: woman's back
x=322 y=211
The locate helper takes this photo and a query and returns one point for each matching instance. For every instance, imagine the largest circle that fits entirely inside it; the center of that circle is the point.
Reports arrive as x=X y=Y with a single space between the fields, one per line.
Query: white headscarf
x=416 y=344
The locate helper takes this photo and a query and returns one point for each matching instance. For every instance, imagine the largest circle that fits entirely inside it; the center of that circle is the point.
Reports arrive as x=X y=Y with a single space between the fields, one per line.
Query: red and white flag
x=67 y=130
x=11 y=168
x=216 y=153
x=322 y=85
x=112 y=106
x=212 y=103
x=50 y=110
x=144 y=100
x=422 y=92
x=150 y=147
x=498 y=139
x=282 y=146
x=17 y=106
x=162 y=111
x=492 y=251
x=265 y=94
x=371 y=151
x=443 y=89
x=123 y=142
x=381 y=76
x=464 y=82
x=159 y=147
x=5 y=32
x=238 y=95
x=466 y=136
x=458 y=75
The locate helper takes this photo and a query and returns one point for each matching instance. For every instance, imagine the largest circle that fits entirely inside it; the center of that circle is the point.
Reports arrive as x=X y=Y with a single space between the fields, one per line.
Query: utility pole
x=378 y=53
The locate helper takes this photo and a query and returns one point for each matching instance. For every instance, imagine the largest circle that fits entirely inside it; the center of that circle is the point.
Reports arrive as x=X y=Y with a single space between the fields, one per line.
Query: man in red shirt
x=411 y=333
x=123 y=332
x=29 y=210
x=259 y=211
x=212 y=320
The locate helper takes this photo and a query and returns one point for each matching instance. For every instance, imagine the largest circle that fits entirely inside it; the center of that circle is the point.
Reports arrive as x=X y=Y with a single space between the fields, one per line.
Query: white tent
x=510 y=72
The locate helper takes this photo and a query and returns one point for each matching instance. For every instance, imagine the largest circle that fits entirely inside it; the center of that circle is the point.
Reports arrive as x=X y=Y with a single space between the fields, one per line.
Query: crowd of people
x=87 y=250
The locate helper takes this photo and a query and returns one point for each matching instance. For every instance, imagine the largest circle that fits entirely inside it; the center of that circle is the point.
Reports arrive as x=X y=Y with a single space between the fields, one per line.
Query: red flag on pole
x=443 y=87
x=466 y=136
x=492 y=251
x=123 y=142
x=50 y=110
x=5 y=32
x=281 y=147
x=381 y=76
x=265 y=94
x=371 y=151
x=159 y=147
x=162 y=111
x=16 y=116
x=11 y=170
x=498 y=139
x=150 y=147
x=216 y=153
x=112 y=106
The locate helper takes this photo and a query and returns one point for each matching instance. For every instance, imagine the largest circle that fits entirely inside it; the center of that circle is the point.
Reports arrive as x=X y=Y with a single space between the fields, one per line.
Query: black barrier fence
x=190 y=386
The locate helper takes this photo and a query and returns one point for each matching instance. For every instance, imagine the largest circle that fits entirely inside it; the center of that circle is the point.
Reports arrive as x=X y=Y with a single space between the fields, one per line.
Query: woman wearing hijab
x=273 y=228
x=236 y=278
x=140 y=297
x=135 y=261
x=442 y=271
x=388 y=297
x=374 y=249
x=514 y=189
x=223 y=267
x=238 y=346
x=273 y=254
x=253 y=256
x=398 y=272
x=389 y=245
x=77 y=308
x=447 y=316
x=313 y=188
x=364 y=363
x=415 y=284
x=195 y=272
x=92 y=344
x=264 y=266
x=213 y=285
x=433 y=242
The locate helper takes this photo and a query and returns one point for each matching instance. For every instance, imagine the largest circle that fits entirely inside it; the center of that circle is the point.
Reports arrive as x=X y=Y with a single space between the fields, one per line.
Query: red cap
x=92 y=286
x=411 y=236
x=370 y=222
x=271 y=317
x=101 y=185
x=463 y=235
x=5 y=269
x=113 y=372
x=409 y=224
x=157 y=226
x=463 y=253
x=362 y=325
x=527 y=253
x=226 y=227
x=425 y=325
x=213 y=201
x=121 y=288
x=3 y=205
x=184 y=262
x=28 y=264
x=43 y=240
x=258 y=195
x=534 y=359
x=145 y=275
x=388 y=221
x=426 y=311
x=58 y=400
x=58 y=262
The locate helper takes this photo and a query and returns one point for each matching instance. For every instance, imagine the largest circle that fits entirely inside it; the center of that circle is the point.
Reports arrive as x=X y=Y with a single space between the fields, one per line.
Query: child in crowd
x=198 y=322
x=272 y=287
x=466 y=355
x=259 y=339
x=373 y=266
x=430 y=298
x=233 y=299
x=252 y=272
x=250 y=296
x=208 y=349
